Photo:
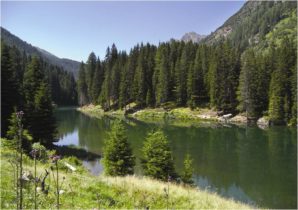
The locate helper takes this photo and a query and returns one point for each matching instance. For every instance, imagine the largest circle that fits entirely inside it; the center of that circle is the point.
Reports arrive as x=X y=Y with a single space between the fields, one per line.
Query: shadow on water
x=244 y=163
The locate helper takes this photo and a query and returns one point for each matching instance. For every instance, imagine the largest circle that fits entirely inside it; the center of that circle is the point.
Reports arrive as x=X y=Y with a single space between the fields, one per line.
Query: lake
x=249 y=164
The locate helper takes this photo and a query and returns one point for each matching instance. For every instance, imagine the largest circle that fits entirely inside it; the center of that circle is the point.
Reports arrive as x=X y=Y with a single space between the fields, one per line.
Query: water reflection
x=248 y=164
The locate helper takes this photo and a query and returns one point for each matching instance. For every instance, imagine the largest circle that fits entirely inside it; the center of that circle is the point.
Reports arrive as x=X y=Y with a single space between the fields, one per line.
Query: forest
x=220 y=76
x=32 y=85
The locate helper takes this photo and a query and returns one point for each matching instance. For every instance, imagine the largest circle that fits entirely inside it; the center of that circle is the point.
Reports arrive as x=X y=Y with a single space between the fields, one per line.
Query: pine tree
x=97 y=82
x=90 y=71
x=277 y=98
x=39 y=117
x=118 y=159
x=140 y=89
x=43 y=127
x=182 y=68
x=213 y=81
x=247 y=93
x=127 y=76
x=191 y=89
x=9 y=88
x=162 y=69
x=157 y=159
x=82 y=86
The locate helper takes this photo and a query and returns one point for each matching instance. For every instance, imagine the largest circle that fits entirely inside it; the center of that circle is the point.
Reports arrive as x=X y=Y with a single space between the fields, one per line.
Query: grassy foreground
x=80 y=190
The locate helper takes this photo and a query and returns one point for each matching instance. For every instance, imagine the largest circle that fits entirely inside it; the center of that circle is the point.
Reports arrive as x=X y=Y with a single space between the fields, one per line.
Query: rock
x=239 y=119
x=263 y=122
x=72 y=168
x=227 y=116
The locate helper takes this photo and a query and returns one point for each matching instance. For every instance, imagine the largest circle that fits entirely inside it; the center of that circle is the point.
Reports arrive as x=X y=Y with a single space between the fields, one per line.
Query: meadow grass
x=80 y=190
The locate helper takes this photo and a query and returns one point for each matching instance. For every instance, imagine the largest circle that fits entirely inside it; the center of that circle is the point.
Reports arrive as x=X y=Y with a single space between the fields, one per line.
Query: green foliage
x=281 y=100
x=82 y=86
x=157 y=159
x=10 y=86
x=118 y=159
x=188 y=170
x=13 y=133
x=41 y=151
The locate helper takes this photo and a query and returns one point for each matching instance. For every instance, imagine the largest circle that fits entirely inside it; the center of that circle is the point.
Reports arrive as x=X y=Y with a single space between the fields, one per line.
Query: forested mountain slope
x=250 y=25
x=12 y=40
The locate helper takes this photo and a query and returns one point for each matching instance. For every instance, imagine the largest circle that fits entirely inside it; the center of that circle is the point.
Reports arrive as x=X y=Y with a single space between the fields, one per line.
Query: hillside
x=80 y=190
x=67 y=64
x=249 y=26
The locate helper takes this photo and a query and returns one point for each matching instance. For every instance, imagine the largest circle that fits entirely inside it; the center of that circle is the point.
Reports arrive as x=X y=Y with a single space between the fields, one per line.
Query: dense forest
x=30 y=84
x=187 y=74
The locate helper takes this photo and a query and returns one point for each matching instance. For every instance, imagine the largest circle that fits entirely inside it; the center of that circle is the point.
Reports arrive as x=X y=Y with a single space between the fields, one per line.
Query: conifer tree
x=39 y=117
x=43 y=127
x=118 y=159
x=140 y=88
x=97 y=82
x=90 y=71
x=8 y=88
x=82 y=86
x=157 y=159
x=277 y=98
x=162 y=69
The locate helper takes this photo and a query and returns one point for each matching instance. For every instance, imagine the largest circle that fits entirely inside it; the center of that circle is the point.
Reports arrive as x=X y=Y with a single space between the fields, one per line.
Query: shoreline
x=180 y=116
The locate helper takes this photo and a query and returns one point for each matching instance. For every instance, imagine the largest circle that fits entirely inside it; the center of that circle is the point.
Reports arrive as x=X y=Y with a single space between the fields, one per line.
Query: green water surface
x=249 y=164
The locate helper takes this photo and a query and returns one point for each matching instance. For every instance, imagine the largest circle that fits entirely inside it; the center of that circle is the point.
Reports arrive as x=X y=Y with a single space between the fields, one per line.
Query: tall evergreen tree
x=38 y=107
x=157 y=159
x=43 y=127
x=118 y=159
x=97 y=82
x=9 y=88
x=82 y=86
x=162 y=69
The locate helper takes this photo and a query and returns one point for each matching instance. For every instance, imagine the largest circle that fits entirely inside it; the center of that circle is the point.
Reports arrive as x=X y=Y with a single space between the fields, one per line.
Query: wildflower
x=55 y=158
x=34 y=153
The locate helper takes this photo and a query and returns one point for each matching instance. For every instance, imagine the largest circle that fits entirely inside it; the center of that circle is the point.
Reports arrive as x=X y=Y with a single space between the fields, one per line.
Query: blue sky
x=74 y=29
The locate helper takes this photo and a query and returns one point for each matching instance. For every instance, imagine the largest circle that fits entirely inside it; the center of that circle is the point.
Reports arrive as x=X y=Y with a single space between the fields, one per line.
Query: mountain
x=254 y=21
x=67 y=64
x=192 y=36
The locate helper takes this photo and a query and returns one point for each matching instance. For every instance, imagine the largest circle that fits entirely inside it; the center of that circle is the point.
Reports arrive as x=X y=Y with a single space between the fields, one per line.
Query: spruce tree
x=157 y=159
x=277 y=98
x=90 y=72
x=82 y=86
x=39 y=117
x=97 y=82
x=140 y=88
x=43 y=127
x=8 y=88
x=162 y=68
x=118 y=159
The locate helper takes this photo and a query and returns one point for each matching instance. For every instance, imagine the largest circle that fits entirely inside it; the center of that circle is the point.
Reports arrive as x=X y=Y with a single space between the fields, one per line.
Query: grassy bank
x=180 y=116
x=81 y=190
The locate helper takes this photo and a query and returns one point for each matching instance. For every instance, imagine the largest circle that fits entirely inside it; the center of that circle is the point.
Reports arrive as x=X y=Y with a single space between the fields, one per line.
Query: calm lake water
x=244 y=163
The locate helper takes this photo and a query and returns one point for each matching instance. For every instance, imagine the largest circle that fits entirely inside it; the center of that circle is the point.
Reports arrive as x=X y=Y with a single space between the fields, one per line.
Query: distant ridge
x=67 y=64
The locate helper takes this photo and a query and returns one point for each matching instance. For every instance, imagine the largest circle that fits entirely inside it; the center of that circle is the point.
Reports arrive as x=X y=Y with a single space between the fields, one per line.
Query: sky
x=74 y=29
